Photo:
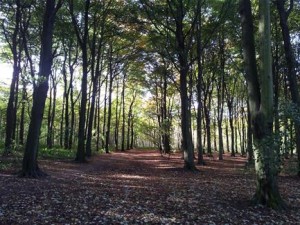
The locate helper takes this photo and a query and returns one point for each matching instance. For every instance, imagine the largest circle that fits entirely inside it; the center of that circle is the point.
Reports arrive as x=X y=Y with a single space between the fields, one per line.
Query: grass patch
x=57 y=153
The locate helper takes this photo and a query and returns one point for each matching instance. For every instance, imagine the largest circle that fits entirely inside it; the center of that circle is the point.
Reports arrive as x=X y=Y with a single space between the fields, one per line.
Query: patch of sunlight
x=164 y=167
x=127 y=176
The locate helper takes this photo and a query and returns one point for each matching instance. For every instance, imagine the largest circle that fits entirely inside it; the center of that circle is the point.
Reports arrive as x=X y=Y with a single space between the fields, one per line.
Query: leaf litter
x=141 y=187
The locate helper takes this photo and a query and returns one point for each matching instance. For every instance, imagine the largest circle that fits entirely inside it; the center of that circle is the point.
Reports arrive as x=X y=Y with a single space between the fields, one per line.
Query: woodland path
x=141 y=187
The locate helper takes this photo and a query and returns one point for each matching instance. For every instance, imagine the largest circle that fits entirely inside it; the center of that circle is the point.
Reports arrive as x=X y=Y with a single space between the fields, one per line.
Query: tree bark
x=11 y=106
x=117 y=114
x=110 y=90
x=199 y=90
x=261 y=103
x=96 y=73
x=30 y=165
x=83 y=41
x=22 y=116
x=290 y=61
x=130 y=120
x=123 y=114
x=221 y=94
x=182 y=51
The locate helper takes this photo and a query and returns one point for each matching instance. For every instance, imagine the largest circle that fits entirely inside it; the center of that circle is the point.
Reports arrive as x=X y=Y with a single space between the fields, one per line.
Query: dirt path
x=141 y=187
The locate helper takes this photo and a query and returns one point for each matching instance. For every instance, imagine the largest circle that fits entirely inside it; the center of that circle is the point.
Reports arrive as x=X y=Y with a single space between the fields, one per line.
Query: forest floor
x=141 y=187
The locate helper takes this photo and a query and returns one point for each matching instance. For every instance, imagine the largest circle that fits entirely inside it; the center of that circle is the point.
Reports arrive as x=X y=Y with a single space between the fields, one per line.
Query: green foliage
x=289 y=110
x=266 y=154
x=57 y=153
x=9 y=163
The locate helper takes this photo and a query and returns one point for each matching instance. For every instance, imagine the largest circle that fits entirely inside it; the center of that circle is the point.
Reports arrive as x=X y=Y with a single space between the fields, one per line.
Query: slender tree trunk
x=61 y=126
x=290 y=60
x=123 y=115
x=11 y=106
x=208 y=130
x=98 y=119
x=276 y=77
x=96 y=73
x=117 y=114
x=230 y=109
x=165 y=117
x=51 y=113
x=82 y=38
x=91 y=117
x=130 y=120
x=221 y=95
x=227 y=136
x=66 y=103
x=199 y=91
x=30 y=166
x=72 y=122
x=22 y=117
x=243 y=133
x=49 y=126
x=104 y=113
x=249 y=137
x=110 y=90
x=132 y=133
x=182 y=48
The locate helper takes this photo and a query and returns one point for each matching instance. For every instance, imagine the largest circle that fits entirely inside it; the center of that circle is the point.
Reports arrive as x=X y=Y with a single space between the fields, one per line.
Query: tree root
x=34 y=173
x=270 y=200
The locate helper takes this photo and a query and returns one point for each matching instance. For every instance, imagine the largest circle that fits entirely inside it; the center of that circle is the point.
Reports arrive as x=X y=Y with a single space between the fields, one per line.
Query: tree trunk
x=49 y=120
x=130 y=120
x=165 y=117
x=123 y=115
x=22 y=117
x=51 y=113
x=208 y=130
x=182 y=50
x=82 y=38
x=290 y=60
x=30 y=165
x=261 y=103
x=91 y=117
x=221 y=94
x=132 y=133
x=72 y=122
x=98 y=119
x=111 y=78
x=249 y=137
x=11 y=106
x=104 y=113
x=66 y=95
x=117 y=114
x=96 y=73
x=199 y=91
x=230 y=109
x=227 y=136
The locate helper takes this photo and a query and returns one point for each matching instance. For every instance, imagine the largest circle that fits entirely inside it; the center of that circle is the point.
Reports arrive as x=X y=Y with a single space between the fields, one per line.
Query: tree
x=82 y=38
x=291 y=63
x=260 y=91
x=30 y=166
x=15 y=46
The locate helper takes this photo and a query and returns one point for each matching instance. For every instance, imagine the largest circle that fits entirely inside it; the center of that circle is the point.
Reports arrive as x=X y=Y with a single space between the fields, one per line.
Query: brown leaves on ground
x=141 y=187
